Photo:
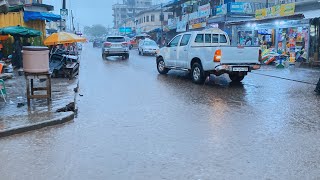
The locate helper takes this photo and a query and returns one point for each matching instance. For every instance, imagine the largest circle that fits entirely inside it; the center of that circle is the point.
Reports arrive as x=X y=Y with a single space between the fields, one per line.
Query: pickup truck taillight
x=217 y=56
x=107 y=44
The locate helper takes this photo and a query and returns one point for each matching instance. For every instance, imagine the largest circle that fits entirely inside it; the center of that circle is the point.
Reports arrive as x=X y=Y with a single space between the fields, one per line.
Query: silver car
x=148 y=46
x=115 y=46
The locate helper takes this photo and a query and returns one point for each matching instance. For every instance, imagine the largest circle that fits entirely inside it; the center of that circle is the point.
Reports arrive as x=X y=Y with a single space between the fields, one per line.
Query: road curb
x=17 y=130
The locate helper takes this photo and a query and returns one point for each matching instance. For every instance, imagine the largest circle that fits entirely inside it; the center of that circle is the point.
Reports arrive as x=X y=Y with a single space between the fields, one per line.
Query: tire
x=236 y=77
x=104 y=56
x=161 y=67
x=126 y=56
x=197 y=73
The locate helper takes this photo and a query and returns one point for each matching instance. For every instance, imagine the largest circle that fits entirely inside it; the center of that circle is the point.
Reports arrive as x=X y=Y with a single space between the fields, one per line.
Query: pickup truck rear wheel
x=197 y=73
x=236 y=77
x=162 y=67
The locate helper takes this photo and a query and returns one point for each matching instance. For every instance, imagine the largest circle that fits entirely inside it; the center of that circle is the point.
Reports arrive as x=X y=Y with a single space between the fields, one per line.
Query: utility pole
x=161 y=20
x=64 y=6
x=267 y=3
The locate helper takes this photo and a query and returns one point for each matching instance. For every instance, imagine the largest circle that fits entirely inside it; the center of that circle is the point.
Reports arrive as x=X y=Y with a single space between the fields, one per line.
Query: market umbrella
x=19 y=31
x=63 y=38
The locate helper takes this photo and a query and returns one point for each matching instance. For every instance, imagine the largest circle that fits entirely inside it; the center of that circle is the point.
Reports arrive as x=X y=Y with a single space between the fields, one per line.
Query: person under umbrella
x=17 y=55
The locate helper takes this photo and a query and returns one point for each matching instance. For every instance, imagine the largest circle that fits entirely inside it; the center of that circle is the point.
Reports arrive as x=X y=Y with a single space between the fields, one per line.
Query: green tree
x=96 y=30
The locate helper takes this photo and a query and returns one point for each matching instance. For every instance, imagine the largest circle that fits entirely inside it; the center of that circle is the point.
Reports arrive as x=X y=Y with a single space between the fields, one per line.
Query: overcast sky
x=89 y=12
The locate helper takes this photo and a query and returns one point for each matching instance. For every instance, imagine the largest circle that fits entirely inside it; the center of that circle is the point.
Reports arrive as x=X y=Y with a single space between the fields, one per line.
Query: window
x=147 y=18
x=215 y=38
x=207 y=38
x=223 y=39
x=144 y=19
x=185 y=40
x=116 y=39
x=174 y=42
x=152 y=18
x=199 y=38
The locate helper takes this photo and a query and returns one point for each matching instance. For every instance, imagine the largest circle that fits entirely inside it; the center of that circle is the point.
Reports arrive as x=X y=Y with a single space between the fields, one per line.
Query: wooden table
x=31 y=89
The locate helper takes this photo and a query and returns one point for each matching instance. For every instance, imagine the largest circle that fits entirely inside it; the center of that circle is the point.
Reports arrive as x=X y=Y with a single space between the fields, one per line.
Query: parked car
x=148 y=46
x=207 y=52
x=115 y=46
x=135 y=41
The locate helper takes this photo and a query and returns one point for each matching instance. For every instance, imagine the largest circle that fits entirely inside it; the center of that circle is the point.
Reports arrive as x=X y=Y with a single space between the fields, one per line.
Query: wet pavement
x=14 y=117
x=136 y=124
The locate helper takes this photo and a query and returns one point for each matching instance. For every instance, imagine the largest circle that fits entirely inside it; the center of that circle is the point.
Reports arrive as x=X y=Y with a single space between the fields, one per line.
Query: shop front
x=287 y=37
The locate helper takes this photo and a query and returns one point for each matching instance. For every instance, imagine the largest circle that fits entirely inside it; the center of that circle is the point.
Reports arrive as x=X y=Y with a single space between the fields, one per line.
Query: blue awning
x=29 y=15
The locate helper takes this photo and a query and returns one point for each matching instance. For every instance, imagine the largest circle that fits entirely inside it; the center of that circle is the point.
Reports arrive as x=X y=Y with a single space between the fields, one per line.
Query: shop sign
x=222 y=9
x=279 y=10
x=241 y=8
x=182 y=26
x=276 y=10
x=204 y=11
x=261 y=13
x=198 y=23
x=287 y=9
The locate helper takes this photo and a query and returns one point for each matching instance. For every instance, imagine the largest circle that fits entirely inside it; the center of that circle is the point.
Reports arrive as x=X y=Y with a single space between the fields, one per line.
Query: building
x=28 y=13
x=128 y=9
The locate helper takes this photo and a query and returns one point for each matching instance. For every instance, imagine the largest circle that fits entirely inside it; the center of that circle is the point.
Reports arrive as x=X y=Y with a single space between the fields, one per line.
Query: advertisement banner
x=241 y=8
x=222 y=9
x=204 y=11
x=276 y=10
x=198 y=23
x=261 y=13
x=182 y=26
x=172 y=23
x=287 y=9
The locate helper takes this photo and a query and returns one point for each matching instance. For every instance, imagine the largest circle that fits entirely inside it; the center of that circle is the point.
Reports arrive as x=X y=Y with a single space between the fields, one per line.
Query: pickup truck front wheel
x=197 y=73
x=236 y=77
x=162 y=67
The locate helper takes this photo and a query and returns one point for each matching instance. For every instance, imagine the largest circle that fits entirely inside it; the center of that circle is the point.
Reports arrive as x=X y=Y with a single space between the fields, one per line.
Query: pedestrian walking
x=317 y=90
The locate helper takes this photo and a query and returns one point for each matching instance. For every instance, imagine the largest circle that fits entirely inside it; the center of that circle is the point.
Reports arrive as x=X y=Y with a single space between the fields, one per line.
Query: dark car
x=97 y=43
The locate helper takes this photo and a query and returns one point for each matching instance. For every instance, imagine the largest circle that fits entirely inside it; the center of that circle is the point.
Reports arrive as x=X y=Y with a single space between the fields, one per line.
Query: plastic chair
x=3 y=91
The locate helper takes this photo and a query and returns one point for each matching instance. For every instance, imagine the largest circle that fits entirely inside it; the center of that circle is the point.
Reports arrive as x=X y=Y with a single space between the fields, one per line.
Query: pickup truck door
x=182 y=60
x=172 y=51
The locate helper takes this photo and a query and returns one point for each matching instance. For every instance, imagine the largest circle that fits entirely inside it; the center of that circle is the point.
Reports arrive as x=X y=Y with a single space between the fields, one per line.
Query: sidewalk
x=14 y=119
x=303 y=75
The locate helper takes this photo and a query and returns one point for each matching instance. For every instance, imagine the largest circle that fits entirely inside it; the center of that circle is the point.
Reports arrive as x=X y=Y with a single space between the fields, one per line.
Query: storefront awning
x=311 y=14
x=29 y=15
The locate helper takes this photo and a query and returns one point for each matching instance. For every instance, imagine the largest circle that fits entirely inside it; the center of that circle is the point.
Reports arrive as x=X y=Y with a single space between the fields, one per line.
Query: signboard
x=198 y=23
x=241 y=8
x=222 y=9
x=279 y=10
x=261 y=13
x=182 y=26
x=64 y=13
x=287 y=9
x=204 y=11
x=185 y=18
x=125 y=30
x=172 y=23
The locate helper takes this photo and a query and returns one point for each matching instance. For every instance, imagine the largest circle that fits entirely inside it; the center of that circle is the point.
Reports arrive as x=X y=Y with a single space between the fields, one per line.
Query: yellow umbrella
x=63 y=38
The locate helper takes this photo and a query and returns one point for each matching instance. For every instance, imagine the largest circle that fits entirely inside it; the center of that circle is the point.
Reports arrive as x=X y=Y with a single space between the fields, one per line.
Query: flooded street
x=136 y=124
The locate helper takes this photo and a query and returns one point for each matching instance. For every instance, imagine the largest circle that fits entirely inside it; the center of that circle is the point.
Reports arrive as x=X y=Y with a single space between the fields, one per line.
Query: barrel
x=35 y=59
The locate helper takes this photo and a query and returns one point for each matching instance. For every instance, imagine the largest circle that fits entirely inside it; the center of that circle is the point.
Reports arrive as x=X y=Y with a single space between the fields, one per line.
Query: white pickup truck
x=207 y=52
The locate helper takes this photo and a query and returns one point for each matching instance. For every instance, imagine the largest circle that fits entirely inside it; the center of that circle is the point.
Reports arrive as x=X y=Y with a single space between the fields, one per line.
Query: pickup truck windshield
x=116 y=39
